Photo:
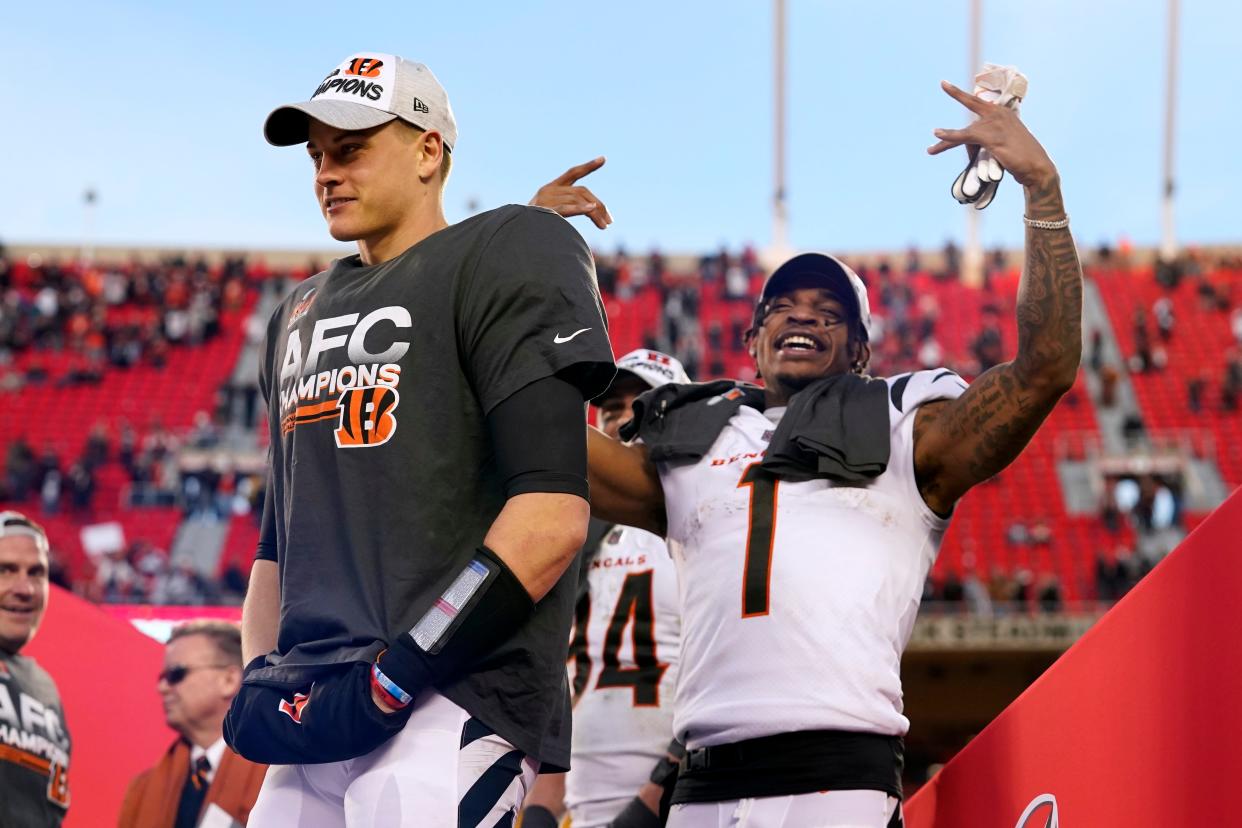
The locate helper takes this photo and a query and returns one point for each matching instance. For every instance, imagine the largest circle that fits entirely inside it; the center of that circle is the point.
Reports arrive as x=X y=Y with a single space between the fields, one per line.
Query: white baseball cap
x=14 y=524
x=366 y=90
x=652 y=367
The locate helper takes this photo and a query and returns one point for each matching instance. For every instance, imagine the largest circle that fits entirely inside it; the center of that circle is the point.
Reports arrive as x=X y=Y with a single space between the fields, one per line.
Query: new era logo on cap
x=364 y=91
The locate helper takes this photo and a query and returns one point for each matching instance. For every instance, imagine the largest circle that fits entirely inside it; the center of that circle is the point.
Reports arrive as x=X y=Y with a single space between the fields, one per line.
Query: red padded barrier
x=1136 y=724
x=106 y=671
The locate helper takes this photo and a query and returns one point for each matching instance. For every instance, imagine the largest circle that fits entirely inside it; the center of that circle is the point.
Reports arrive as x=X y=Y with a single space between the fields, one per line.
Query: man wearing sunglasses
x=196 y=776
x=34 y=744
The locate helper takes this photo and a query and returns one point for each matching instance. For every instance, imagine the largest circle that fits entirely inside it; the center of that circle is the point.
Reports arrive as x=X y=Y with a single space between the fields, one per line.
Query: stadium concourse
x=131 y=427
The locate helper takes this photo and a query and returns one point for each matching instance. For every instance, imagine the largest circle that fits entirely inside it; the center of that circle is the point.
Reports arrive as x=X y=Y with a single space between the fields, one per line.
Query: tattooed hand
x=1000 y=130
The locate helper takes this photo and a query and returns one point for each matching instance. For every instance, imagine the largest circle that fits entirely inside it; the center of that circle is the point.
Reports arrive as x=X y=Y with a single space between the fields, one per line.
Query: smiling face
x=372 y=183
x=23 y=590
x=616 y=409
x=805 y=335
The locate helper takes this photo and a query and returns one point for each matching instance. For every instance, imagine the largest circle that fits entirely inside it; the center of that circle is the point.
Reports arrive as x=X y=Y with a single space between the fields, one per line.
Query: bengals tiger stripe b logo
x=365 y=67
x=58 y=784
x=366 y=416
x=293 y=709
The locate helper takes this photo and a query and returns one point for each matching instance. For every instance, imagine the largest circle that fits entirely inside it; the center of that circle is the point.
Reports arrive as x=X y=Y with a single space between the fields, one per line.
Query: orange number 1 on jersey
x=757 y=572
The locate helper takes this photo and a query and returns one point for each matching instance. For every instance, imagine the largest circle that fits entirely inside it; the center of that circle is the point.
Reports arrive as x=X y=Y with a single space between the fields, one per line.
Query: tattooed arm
x=962 y=442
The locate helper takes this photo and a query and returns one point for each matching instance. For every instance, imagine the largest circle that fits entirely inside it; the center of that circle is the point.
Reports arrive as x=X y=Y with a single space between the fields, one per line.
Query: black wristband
x=635 y=814
x=537 y=816
x=495 y=605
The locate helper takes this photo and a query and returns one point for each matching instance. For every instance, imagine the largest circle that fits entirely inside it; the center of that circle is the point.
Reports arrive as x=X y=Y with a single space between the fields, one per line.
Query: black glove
x=537 y=816
x=636 y=814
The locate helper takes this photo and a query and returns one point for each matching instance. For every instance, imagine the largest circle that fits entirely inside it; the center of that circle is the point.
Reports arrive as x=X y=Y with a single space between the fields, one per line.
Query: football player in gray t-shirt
x=34 y=743
x=407 y=620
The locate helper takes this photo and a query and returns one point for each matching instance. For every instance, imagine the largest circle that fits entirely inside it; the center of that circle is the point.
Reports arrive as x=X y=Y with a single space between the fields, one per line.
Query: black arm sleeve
x=266 y=550
x=539 y=434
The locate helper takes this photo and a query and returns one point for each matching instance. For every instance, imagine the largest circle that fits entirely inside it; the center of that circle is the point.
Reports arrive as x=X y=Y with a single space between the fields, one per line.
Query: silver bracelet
x=1040 y=224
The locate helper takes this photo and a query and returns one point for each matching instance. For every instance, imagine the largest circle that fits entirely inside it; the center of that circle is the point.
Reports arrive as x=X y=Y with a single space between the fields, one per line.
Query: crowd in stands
x=1187 y=374
x=57 y=487
x=69 y=325
x=72 y=325
x=906 y=331
x=1001 y=593
x=143 y=573
x=1153 y=329
x=110 y=316
x=163 y=470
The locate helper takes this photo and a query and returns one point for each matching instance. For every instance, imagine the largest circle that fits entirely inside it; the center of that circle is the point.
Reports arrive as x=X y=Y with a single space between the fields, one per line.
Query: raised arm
x=625 y=487
x=965 y=441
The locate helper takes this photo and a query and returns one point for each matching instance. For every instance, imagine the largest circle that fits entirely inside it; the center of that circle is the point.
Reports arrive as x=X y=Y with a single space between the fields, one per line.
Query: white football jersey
x=623 y=667
x=798 y=598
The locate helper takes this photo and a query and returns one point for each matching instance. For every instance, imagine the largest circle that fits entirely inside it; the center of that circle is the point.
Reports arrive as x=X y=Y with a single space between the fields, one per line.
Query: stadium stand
x=1200 y=347
x=130 y=355
x=104 y=371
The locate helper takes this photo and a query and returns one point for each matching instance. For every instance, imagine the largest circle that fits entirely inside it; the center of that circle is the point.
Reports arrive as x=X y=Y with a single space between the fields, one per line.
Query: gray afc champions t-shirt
x=34 y=746
x=384 y=482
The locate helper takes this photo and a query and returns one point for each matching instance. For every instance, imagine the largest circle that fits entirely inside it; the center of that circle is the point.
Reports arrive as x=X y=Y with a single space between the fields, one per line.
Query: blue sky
x=159 y=106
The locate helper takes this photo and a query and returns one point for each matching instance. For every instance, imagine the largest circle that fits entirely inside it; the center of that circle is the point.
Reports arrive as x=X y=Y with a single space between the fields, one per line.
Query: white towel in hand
x=977 y=184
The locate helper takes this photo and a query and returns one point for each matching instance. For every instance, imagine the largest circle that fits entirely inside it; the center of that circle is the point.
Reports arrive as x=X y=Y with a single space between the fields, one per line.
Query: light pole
x=1168 y=244
x=87 y=251
x=972 y=255
x=779 y=249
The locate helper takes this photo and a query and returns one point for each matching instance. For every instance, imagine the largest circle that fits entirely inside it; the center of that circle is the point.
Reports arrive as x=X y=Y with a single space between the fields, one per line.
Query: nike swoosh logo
x=561 y=340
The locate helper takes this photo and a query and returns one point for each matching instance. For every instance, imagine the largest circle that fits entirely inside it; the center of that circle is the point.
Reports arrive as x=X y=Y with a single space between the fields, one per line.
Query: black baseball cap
x=818 y=270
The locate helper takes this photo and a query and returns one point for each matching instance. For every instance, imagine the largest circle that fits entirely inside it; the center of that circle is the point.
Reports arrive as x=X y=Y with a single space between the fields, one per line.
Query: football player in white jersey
x=623 y=656
x=806 y=515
